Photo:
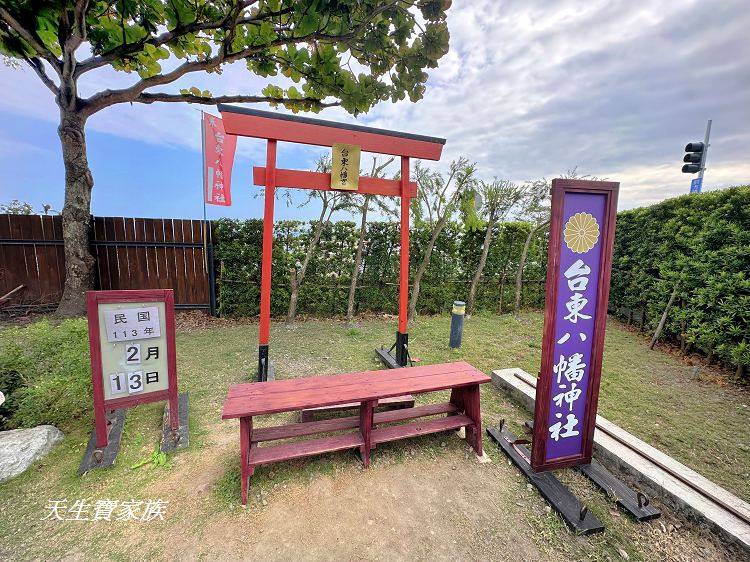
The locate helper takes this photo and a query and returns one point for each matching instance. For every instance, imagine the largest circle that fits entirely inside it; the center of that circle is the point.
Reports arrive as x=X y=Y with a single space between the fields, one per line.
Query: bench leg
x=472 y=410
x=366 y=410
x=246 y=430
x=374 y=426
x=457 y=398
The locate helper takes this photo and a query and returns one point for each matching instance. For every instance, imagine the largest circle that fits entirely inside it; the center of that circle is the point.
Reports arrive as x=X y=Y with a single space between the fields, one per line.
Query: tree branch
x=38 y=66
x=128 y=49
x=79 y=21
x=124 y=50
x=106 y=98
x=27 y=36
x=190 y=98
x=72 y=35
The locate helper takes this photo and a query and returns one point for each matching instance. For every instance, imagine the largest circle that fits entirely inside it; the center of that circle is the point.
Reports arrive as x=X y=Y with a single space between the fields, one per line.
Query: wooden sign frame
x=101 y=405
x=561 y=188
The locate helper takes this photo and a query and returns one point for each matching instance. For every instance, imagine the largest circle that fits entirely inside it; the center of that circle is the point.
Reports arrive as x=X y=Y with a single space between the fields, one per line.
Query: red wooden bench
x=370 y=428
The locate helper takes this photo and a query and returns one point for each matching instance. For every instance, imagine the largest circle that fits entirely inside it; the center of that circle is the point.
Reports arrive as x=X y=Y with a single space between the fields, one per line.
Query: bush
x=325 y=289
x=700 y=241
x=45 y=374
x=701 y=244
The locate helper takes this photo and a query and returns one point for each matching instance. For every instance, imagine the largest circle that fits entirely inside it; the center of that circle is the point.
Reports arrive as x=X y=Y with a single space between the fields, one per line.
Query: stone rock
x=484 y=459
x=19 y=448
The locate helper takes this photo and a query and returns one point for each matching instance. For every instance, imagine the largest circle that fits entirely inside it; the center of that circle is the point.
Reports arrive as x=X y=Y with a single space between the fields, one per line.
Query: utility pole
x=695 y=160
x=705 y=150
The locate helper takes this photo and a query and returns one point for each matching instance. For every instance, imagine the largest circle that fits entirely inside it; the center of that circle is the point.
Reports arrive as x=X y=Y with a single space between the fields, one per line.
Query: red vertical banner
x=218 y=157
x=582 y=232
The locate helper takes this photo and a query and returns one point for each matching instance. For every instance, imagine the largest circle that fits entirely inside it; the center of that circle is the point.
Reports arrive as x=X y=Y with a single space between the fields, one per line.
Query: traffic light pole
x=705 y=150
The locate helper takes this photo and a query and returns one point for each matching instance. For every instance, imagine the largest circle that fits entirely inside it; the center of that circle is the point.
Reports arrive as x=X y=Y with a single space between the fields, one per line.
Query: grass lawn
x=426 y=498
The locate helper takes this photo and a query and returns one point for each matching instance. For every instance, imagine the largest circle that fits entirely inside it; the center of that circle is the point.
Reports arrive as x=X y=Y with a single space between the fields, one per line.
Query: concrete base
x=653 y=470
x=484 y=459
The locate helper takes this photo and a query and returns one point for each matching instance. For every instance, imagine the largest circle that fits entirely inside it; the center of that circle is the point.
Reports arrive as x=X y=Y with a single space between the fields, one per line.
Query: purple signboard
x=580 y=251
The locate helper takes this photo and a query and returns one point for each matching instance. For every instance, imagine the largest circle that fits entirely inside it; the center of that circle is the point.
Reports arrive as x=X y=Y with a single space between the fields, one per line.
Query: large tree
x=361 y=205
x=439 y=196
x=331 y=201
x=497 y=198
x=352 y=53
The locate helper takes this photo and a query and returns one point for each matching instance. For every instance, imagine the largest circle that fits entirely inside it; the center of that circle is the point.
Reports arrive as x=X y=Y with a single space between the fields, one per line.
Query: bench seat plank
x=310 y=447
x=403 y=401
x=265 y=398
x=285 y=386
x=275 y=433
x=306 y=428
x=395 y=432
x=416 y=412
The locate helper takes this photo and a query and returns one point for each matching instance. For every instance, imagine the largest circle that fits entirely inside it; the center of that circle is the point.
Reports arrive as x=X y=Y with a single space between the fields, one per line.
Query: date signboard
x=577 y=292
x=131 y=338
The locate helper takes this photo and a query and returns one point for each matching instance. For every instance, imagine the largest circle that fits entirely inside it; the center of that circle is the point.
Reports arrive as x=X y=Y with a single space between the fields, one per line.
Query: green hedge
x=701 y=244
x=701 y=241
x=326 y=286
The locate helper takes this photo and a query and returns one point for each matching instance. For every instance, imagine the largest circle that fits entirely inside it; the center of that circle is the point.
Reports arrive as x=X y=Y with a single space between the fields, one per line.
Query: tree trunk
x=423 y=266
x=504 y=277
x=357 y=261
x=480 y=267
x=502 y=289
x=76 y=215
x=299 y=276
x=663 y=320
x=521 y=265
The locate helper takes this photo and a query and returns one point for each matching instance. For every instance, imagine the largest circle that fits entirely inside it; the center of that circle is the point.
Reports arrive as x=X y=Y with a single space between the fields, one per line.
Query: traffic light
x=693 y=158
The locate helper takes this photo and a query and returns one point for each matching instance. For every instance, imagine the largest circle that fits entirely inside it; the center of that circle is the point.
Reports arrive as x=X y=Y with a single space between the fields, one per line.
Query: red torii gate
x=276 y=127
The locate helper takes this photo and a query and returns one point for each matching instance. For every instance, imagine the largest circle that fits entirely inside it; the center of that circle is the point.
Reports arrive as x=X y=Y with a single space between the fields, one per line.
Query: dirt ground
x=421 y=499
x=425 y=509
x=431 y=500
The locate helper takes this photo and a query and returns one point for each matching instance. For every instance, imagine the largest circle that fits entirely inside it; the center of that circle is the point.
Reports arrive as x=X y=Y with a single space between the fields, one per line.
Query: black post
x=262 y=363
x=457 y=324
x=97 y=280
x=402 y=349
x=211 y=277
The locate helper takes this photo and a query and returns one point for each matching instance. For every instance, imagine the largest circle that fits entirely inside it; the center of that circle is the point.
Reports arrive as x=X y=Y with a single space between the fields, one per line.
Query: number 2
x=133 y=354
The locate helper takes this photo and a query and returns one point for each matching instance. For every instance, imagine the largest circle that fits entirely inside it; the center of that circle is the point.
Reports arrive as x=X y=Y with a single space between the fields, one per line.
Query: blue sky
x=133 y=178
x=529 y=89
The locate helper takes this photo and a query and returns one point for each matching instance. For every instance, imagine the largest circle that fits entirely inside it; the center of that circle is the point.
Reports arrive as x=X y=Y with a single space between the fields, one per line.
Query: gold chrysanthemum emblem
x=581 y=232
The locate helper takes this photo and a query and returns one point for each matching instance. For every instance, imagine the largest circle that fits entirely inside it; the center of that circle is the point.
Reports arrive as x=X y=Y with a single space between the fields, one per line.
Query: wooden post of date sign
x=582 y=230
x=133 y=361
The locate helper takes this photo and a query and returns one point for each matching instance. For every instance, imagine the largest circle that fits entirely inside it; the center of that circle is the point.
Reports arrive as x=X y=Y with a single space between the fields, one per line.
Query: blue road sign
x=696 y=185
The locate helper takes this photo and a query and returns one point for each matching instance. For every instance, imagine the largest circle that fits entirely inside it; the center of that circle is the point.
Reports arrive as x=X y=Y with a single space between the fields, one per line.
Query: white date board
x=133 y=344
